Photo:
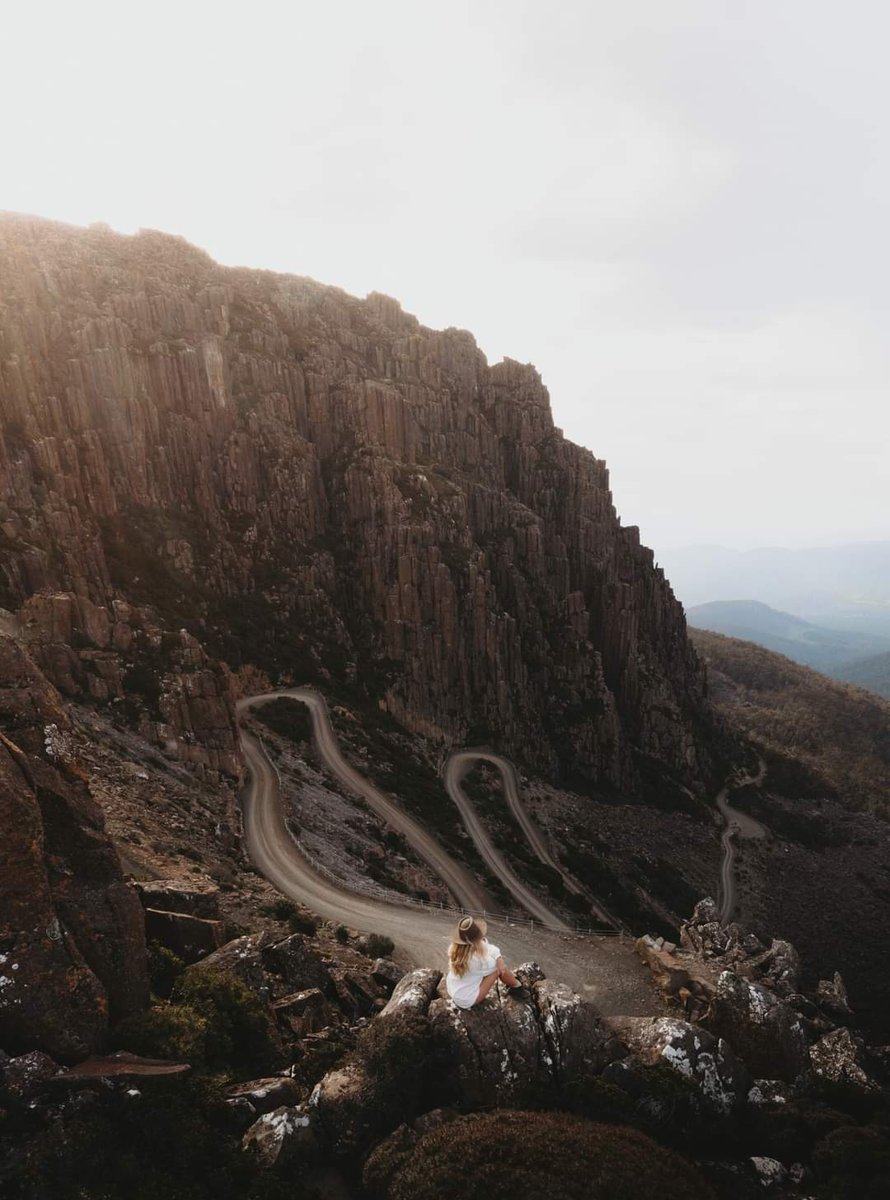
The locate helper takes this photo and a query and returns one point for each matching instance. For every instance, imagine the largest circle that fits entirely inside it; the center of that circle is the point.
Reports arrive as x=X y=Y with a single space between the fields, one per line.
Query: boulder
x=357 y=993
x=765 y=1033
x=243 y=958
x=181 y=896
x=305 y=1012
x=831 y=997
x=296 y=963
x=344 y=1109
x=121 y=1067
x=264 y=1095
x=387 y=973
x=190 y=938
x=281 y=1136
x=836 y=1060
x=770 y=1091
x=688 y=1049
x=26 y=1076
x=414 y=992
x=769 y=1172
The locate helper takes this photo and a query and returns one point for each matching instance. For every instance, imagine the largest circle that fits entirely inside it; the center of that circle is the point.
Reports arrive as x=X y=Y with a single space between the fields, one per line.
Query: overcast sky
x=677 y=210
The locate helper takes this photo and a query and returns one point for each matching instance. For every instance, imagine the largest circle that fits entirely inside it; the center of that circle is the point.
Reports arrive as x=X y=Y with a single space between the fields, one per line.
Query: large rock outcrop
x=312 y=483
x=72 y=942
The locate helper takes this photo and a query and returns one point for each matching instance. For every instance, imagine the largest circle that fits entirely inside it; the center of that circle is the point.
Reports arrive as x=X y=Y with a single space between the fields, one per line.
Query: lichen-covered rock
x=296 y=963
x=264 y=1095
x=497 y=1051
x=764 y=1032
x=689 y=1050
x=770 y=1091
x=343 y=1109
x=836 y=1060
x=282 y=1136
x=413 y=992
x=831 y=997
x=25 y=1076
x=768 y=1172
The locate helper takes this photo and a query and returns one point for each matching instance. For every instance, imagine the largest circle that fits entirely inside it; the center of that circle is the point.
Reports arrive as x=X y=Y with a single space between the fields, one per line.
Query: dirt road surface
x=604 y=970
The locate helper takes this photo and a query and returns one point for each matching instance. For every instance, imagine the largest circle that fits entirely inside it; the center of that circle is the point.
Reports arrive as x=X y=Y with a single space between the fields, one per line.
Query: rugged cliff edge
x=313 y=484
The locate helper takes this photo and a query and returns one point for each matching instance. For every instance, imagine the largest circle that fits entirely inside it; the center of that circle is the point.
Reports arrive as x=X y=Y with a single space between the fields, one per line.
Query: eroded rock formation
x=314 y=483
x=72 y=943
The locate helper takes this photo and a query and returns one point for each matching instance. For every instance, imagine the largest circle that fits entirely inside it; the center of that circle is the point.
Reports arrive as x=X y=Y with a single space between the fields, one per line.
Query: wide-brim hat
x=458 y=934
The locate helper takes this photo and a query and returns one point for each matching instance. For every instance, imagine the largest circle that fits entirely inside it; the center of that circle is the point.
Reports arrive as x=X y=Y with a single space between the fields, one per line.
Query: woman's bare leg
x=486 y=985
x=507 y=975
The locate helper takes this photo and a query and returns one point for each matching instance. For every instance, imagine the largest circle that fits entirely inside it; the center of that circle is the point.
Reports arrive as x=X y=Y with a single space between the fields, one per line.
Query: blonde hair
x=468 y=937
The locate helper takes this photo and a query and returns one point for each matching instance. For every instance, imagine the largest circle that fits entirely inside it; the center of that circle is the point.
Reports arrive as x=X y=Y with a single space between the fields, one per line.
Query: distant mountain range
x=842 y=588
x=854 y=656
x=872 y=673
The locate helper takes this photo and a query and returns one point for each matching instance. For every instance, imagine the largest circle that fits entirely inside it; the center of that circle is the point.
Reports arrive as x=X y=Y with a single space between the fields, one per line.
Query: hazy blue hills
x=872 y=673
x=836 y=652
x=843 y=587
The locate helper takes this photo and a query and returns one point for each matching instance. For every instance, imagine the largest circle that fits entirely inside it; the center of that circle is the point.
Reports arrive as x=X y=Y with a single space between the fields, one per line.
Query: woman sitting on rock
x=475 y=965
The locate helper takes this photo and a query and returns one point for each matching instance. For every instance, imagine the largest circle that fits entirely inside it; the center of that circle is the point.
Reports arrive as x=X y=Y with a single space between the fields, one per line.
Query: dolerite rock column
x=72 y=942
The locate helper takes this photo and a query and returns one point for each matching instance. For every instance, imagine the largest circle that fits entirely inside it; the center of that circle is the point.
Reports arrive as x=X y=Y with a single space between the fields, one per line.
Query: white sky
x=677 y=209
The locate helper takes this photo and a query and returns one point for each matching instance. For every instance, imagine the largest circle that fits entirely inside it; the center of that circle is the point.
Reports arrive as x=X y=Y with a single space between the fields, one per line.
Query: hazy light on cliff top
x=677 y=211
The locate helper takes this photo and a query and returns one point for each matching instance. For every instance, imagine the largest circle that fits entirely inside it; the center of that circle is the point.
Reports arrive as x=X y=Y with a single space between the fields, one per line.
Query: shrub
x=166 y=1031
x=376 y=945
x=177 y=1142
x=527 y=1156
x=854 y=1162
x=396 y=1053
x=302 y=922
x=239 y=1033
x=341 y=933
x=164 y=968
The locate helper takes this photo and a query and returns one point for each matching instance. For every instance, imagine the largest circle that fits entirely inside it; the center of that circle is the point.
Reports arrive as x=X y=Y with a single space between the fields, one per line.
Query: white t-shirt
x=463 y=989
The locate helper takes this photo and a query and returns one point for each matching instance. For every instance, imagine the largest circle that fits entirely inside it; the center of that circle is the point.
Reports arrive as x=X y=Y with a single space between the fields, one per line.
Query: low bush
x=376 y=945
x=529 y=1155
x=164 y=968
x=174 y=1031
x=239 y=1034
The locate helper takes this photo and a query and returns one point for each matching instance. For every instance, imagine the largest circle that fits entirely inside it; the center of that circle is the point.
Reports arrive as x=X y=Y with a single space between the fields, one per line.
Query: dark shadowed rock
x=181 y=896
x=190 y=938
x=27 y=1075
x=837 y=1061
x=296 y=963
x=264 y=1095
x=72 y=939
x=765 y=1033
x=305 y=1012
x=284 y=1135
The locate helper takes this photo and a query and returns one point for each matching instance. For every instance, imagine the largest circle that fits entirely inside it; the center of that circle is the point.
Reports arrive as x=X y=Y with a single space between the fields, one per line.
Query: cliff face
x=313 y=483
x=72 y=940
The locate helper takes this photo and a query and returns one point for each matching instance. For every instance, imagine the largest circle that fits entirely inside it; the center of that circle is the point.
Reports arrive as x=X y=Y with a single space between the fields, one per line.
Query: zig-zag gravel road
x=605 y=970
x=737 y=824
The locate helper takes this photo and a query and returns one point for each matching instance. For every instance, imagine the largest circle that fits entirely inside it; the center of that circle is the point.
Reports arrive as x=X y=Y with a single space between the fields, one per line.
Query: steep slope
x=72 y=941
x=312 y=485
x=825 y=738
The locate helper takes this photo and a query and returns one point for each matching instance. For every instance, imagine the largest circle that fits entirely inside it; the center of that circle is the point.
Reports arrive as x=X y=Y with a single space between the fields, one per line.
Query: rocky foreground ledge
x=737 y=1035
